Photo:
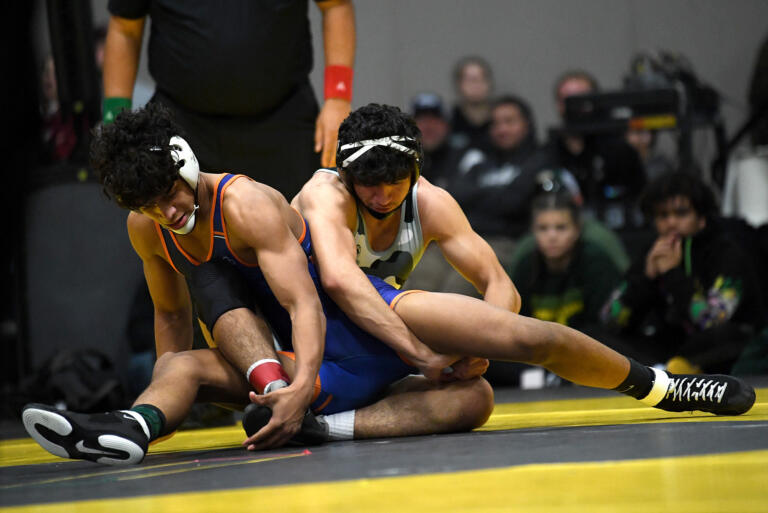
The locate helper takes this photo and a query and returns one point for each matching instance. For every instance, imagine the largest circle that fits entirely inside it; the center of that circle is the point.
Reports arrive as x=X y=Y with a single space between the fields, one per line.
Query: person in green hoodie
x=566 y=278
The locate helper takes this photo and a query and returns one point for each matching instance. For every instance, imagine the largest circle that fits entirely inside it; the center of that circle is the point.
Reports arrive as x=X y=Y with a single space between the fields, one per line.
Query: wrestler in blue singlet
x=356 y=368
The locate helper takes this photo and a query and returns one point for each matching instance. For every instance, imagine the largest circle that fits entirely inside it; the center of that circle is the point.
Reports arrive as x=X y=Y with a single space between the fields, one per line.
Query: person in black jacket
x=495 y=187
x=496 y=192
x=699 y=284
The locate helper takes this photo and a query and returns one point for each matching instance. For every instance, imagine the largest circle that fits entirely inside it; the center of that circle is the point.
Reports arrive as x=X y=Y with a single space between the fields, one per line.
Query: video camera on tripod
x=660 y=93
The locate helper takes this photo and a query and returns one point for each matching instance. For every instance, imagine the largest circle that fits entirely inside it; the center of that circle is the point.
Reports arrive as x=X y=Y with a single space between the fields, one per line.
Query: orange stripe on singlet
x=303 y=225
x=402 y=295
x=224 y=223
x=392 y=305
x=317 y=386
x=165 y=247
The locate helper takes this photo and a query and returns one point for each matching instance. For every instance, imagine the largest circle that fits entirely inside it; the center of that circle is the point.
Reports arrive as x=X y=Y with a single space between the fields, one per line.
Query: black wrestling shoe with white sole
x=313 y=430
x=112 y=438
x=712 y=393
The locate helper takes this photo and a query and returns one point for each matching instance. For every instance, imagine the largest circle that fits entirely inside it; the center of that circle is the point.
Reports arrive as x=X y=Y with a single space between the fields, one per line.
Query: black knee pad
x=216 y=288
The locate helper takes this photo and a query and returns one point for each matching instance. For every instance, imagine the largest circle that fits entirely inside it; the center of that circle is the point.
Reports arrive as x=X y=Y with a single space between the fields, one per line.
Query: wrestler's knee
x=473 y=402
x=184 y=364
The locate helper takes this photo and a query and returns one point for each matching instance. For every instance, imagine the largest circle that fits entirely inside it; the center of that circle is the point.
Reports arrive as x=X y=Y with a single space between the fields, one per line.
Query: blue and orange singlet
x=357 y=367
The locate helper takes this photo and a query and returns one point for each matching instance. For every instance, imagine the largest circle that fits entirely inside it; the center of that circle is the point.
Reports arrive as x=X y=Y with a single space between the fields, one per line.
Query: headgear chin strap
x=190 y=173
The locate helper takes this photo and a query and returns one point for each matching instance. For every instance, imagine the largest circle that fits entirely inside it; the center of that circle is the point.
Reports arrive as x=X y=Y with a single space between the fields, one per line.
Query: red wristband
x=338 y=82
x=264 y=372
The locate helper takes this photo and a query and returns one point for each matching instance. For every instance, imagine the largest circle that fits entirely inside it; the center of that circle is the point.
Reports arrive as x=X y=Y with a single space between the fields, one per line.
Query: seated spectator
x=494 y=188
x=692 y=300
x=565 y=278
x=562 y=277
x=470 y=118
x=592 y=231
x=440 y=151
x=608 y=170
x=496 y=192
x=654 y=162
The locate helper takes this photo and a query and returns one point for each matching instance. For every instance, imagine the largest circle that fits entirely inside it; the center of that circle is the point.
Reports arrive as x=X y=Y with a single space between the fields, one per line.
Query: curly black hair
x=685 y=183
x=132 y=156
x=380 y=164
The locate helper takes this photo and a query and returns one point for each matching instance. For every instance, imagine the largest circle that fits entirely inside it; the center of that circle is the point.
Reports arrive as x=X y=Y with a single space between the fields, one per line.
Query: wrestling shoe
x=718 y=393
x=112 y=438
x=313 y=430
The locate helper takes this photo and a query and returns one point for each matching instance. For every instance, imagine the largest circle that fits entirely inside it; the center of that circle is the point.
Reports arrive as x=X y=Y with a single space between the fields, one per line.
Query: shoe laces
x=689 y=388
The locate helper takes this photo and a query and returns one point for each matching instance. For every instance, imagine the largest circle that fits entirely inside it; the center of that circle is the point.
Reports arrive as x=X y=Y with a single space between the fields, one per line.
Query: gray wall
x=406 y=46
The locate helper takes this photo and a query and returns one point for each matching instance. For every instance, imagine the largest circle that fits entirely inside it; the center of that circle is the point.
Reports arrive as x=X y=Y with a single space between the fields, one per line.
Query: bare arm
x=170 y=297
x=330 y=212
x=121 y=56
x=444 y=222
x=257 y=219
x=339 y=45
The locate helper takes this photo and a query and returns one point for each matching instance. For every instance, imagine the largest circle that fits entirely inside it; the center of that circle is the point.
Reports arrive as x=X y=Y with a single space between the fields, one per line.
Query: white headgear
x=189 y=172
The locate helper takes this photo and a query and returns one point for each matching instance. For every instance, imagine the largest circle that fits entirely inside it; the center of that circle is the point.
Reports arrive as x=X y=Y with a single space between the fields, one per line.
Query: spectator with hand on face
x=698 y=284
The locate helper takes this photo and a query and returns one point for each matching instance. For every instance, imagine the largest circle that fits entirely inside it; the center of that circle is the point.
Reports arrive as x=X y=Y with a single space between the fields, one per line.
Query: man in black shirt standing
x=235 y=77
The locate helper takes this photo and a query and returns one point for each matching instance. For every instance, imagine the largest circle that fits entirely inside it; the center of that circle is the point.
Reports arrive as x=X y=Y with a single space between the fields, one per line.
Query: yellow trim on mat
x=724 y=483
x=603 y=411
x=569 y=412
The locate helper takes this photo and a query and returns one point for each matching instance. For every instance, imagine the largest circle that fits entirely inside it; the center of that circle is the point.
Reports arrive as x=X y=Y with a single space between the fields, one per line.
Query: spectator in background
x=495 y=193
x=644 y=143
x=608 y=170
x=697 y=283
x=566 y=278
x=235 y=77
x=563 y=277
x=471 y=115
x=440 y=151
x=59 y=136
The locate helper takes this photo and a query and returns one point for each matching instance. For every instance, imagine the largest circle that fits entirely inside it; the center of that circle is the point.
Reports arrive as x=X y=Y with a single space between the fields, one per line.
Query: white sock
x=659 y=389
x=341 y=426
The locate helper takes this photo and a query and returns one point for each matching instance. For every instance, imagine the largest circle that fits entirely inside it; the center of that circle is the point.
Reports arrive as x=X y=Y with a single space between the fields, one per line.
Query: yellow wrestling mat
x=562 y=413
x=728 y=482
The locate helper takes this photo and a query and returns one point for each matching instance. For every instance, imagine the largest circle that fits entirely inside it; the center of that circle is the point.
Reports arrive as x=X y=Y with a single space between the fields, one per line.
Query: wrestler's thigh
x=417 y=383
x=456 y=324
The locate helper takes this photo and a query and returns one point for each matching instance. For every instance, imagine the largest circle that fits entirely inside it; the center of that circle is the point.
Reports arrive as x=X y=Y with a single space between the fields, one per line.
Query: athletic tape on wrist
x=338 y=82
x=112 y=106
x=264 y=372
